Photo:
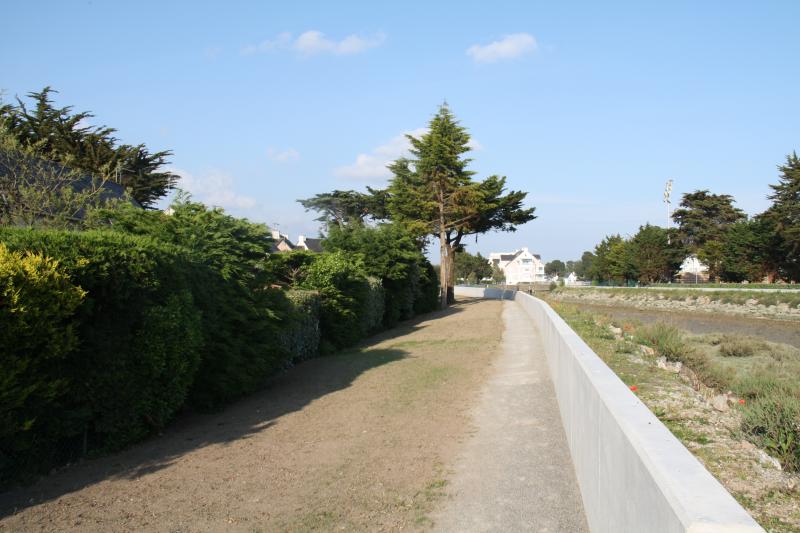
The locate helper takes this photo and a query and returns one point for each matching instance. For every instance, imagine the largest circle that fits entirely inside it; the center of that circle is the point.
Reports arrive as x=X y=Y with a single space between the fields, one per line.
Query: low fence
x=634 y=475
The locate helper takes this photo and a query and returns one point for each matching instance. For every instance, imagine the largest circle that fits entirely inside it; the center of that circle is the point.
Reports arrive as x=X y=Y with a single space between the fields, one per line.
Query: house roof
x=79 y=182
x=283 y=240
x=313 y=245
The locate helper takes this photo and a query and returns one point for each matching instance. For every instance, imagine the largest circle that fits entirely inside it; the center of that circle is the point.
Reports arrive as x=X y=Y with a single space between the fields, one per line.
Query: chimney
x=301 y=240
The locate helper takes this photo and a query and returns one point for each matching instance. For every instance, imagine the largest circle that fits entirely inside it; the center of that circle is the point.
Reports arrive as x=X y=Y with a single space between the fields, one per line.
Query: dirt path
x=516 y=473
x=357 y=441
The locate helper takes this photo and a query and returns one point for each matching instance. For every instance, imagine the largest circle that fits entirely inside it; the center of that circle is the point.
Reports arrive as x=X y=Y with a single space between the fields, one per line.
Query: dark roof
x=537 y=256
x=507 y=257
x=313 y=245
x=109 y=190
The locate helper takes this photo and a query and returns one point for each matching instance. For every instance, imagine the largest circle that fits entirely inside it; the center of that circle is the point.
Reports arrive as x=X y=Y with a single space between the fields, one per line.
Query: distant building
x=520 y=266
x=692 y=271
x=309 y=244
x=282 y=243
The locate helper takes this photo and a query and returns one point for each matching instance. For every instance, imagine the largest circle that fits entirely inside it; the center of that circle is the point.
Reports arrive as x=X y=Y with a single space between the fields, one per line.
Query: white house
x=520 y=266
x=693 y=270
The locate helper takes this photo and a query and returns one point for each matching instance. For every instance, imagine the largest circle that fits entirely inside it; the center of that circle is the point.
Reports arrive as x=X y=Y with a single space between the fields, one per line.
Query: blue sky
x=588 y=106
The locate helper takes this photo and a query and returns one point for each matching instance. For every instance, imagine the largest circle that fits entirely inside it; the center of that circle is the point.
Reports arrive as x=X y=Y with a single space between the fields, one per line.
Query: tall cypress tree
x=784 y=217
x=433 y=194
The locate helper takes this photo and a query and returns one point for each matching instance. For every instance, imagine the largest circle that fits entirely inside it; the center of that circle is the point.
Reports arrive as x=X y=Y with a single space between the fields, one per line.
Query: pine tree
x=784 y=217
x=433 y=194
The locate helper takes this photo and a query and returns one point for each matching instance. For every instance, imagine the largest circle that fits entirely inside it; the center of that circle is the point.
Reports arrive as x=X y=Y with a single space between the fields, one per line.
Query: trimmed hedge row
x=301 y=335
x=137 y=351
x=389 y=253
x=106 y=334
x=123 y=331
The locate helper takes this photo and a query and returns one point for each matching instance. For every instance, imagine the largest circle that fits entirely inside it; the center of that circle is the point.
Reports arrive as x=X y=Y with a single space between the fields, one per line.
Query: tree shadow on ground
x=285 y=393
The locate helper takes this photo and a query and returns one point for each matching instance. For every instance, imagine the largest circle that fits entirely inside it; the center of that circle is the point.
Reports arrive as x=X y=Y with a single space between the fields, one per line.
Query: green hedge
x=37 y=306
x=388 y=252
x=300 y=333
x=345 y=293
x=139 y=338
x=373 y=310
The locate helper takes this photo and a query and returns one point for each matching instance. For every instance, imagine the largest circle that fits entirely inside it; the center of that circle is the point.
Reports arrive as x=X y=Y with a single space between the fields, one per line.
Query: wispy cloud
x=314 y=42
x=509 y=47
x=214 y=188
x=290 y=154
x=372 y=166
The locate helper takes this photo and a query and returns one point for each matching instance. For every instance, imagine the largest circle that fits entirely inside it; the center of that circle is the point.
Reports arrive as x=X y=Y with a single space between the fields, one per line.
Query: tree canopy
x=555 y=267
x=784 y=218
x=345 y=207
x=61 y=135
x=472 y=268
x=433 y=194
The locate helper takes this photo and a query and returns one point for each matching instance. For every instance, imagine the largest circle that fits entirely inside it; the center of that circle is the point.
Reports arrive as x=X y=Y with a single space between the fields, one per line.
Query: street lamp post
x=668 y=203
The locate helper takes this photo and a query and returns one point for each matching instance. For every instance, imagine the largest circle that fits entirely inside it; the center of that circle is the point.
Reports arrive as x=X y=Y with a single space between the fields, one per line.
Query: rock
x=616 y=331
x=720 y=403
x=792 y=484
x=646 y=350
x=669 y=366
x=768 y=460
x=747 y=445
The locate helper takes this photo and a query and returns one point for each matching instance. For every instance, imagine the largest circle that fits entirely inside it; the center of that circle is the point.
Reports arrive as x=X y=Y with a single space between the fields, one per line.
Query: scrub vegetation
x=733 y=400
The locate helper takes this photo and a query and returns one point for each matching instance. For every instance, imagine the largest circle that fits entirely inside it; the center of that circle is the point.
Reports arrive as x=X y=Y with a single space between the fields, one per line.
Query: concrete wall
x=485 y=292
x=634 y=475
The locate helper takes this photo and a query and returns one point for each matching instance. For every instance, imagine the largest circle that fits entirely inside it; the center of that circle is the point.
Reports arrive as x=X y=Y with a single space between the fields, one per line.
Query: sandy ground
x=356 y=441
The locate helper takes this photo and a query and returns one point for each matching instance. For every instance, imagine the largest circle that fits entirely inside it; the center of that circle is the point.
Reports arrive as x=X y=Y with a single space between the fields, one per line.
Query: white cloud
x=213 y=188
x=509 y=47
x=290 y=154
x=372 y=166
x=282 y=40
x=315 y=42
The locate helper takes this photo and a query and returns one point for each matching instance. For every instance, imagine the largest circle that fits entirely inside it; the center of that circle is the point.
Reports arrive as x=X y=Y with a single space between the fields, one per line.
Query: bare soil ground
x=355 y=441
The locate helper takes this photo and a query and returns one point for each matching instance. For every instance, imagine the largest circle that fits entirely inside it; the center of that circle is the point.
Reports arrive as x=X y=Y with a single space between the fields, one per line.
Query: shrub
x=735 y=346
x=139 y=336
x=228 y=272
x=37 y=333
x=666 y=340
x=389 y=253
x=344 y=290
x=773 y=422
x=300 y=333
x=241 y=345
x=426 y=298
x=373 y=312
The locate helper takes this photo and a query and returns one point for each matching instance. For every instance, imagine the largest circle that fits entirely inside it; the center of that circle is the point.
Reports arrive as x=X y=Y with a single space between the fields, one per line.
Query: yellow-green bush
x=137 y=349
x=37 y=332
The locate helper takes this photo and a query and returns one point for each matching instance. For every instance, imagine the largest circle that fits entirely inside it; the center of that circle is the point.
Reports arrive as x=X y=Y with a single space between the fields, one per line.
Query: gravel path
x=515 y=474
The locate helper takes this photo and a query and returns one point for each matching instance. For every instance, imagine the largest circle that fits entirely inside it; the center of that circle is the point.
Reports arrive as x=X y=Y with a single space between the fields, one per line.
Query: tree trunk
x=445 y=257
x=451 y=275
x=444 y=267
